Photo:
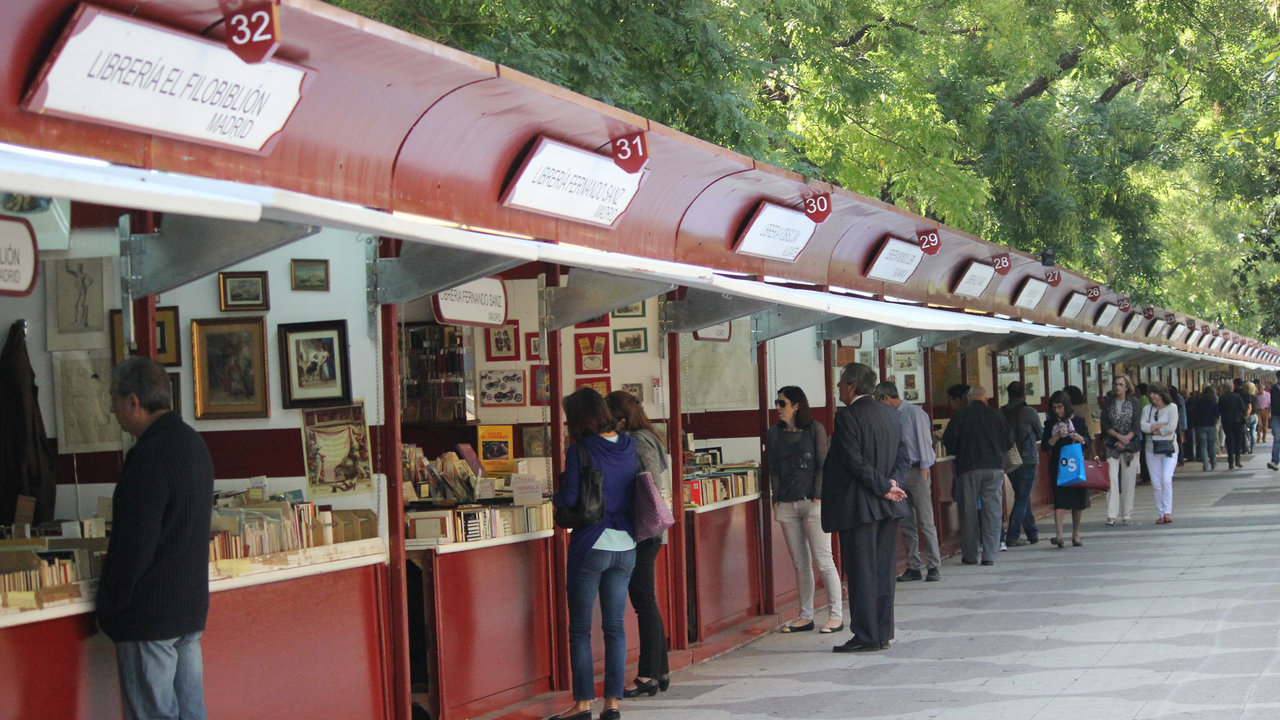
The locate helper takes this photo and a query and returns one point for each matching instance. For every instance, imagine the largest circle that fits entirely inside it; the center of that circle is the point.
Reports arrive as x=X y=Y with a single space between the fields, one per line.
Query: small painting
x=599 y=384
x=314 y=370
x=533 y=347
x=502 y=388
x=243 y=291
x=635 y=310
x=630 y=340
x=536 y=440
x=635 y=390
x=309 y=275
x=335 y=446
x=76 y=302
x=541 y=390
x=168 y=352
x=229 y=362
x=591 y=353
x=502 y=343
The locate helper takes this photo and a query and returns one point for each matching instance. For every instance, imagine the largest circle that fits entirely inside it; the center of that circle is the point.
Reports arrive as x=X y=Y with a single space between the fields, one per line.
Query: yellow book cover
x=495 y=448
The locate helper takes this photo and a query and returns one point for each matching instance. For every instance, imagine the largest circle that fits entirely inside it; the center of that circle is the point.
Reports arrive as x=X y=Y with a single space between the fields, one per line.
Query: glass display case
x=438 y=370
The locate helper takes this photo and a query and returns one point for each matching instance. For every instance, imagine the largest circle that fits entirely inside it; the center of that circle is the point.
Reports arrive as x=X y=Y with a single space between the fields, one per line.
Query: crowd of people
x=870 y=482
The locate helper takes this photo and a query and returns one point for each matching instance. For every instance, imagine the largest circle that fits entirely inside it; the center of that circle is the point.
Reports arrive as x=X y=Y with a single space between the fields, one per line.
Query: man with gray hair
x=978 y=438
x=862 y=500
x=917 y=435
x=153 y=597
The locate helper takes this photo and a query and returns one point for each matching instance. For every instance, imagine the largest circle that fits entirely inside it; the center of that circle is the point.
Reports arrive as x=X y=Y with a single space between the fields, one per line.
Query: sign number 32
x=253 y=30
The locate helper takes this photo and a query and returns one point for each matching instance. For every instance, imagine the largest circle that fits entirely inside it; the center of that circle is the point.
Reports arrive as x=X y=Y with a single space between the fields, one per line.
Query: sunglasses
x=780 y=403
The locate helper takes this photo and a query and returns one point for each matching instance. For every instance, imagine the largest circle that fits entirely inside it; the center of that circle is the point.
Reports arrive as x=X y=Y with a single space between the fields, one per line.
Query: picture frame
x=82 y=402
x=533 y=347
x=599 y=384
x=602 y=321
x=630 y=340
x=76 y=303
x=502 y=343
x=229 y=368
x=315 y=369
x=175 y=391
x=336 y=451
x=540 y=386
x=636 y=390
x=502 y=388
x=309 y=274
x=591 y=353
x=168 y=346
x=536 y=440
x=634 y=310
x=243 y=291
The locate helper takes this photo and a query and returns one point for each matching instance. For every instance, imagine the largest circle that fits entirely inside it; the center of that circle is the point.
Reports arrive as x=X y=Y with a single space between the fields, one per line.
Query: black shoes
x=933 y=575
x=648 y=687
x=611 y=714
x=797 y=628
x=664 y=682
x=988 y=562
x=967 y=561
x=584 y=715
x=911 y=575
x=856 y=646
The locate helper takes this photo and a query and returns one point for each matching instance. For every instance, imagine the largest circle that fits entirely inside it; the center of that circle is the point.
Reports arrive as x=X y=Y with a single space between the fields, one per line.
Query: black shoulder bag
x=589 y=510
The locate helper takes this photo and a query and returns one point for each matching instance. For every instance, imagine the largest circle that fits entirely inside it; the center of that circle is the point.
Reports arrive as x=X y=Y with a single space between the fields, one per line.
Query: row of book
x=272 y=527
x=29 y=565
x=469 y=523
x=726 y=483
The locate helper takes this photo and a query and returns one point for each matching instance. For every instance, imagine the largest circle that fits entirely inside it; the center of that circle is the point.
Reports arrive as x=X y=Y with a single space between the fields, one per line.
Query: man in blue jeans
x=1275 y=425
x=1025 y=423
x=153 y=597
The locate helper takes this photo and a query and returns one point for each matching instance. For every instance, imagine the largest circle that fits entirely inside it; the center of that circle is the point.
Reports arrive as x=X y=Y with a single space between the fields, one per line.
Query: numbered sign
x=1002 y=263
x=1093 y=293
x=1053 y=277
x=1169 y=319
x=1148 y=312
x=1205 y=329
x=817 y=206
x=930 y=242
x=1125 y=304
x=253 y=29
x=631 y=152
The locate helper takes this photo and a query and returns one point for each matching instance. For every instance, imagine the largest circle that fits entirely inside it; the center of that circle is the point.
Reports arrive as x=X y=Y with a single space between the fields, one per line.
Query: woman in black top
x=1062 y=428
x=797 y=447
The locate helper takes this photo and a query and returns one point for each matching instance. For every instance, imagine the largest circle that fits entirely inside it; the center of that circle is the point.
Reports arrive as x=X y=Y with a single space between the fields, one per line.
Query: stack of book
x=729 y=481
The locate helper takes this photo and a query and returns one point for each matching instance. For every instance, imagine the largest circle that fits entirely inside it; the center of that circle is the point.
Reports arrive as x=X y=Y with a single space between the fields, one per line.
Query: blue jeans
x=608 y=573
x=1275 y=444
x=1207 y=445
x=1250 y=430
x=162 y=678
x=1021 y=519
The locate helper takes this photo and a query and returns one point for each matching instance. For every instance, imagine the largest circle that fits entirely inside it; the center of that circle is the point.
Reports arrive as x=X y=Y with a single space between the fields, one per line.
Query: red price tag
x=253 y=29
x=1002 y=263
x=1053 y=277
x=631 y=152
x=817 y=207
x=930 y=242
x=1148 y=312
x=1125 y=305
x=1093 y=293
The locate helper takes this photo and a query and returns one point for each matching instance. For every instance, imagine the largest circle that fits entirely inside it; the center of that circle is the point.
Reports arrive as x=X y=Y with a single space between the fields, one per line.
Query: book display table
x=723 y=564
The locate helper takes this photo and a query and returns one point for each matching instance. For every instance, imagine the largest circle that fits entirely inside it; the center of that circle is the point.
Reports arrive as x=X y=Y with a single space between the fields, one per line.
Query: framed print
x=76 y=303
x=243 y=291
x=82 y=402
x=591 y=353
x=536 y=440
x=631 y=340
x=540 y=392
x=175 y=391
x=314 y=369
x=636 y=390
x=503 y=342
x=599 y=384
x=309 y=275
x=229 y=368
x=602 y=321
x=168 y=352
x=533 y=347
x=630 y=311
x=335 y=447
x=502 y=388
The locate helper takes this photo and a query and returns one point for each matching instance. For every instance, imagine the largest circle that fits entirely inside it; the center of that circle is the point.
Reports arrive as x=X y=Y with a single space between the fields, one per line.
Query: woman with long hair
x=601 y=556
x=1121 y=440
x=797 y=448
x=1062 y=427
x=651 y=673
x=1160 y=422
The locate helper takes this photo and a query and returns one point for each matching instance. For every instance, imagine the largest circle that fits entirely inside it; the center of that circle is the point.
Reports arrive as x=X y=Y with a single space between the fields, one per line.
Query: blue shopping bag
x=1071 y=465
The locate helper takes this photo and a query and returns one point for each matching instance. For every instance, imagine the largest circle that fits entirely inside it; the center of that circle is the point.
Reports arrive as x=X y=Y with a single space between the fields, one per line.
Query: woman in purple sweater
x=602 y=556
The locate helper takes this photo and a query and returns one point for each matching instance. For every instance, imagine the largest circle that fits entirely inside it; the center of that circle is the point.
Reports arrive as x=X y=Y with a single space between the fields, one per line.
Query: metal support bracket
x=423 y=270
x=189 y=247
x=703 y=308
x=782 y=320
x=887 y=337
x=589 y=294
x=843 y=327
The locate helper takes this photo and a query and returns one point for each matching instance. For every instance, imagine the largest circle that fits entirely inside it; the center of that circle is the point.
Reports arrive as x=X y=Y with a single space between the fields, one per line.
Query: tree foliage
x=1140 y=139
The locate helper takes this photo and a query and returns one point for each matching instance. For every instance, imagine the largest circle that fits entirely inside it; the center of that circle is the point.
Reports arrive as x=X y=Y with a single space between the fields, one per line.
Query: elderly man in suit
x=861 y=498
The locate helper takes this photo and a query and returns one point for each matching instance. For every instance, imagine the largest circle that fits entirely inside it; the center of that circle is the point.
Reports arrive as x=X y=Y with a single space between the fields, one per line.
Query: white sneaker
x=1003 y=546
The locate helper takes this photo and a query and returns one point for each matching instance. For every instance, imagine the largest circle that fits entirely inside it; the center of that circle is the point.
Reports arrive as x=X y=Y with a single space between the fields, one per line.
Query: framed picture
x=533 y=347
x=309 y=275
x=536 y=440
x=630 y=311
x=175 y=391
x=76 y=303
x=168 y=352
x=591 y=353
x=82 y=402
x=540 y=392
x=243 y=291
x=599 y=384
x=503 y=342
x=631 y=340
x=602 y=321
x=636 y=390
x=229 y=368
x=314 y=369
x=502 y=388
x=335 y=447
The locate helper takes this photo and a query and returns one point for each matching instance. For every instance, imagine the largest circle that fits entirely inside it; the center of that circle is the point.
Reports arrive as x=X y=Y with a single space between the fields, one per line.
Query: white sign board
x=1156 y=328
x=569 y=182
x=1131 y=325
x=1178 y=331
x=776 y=233
x=1031 y=294
x=18 y=257
x=1218 y=343
x=1074 y=305
x=896 y=261
x=1107 y=315
x=1195 y=337
x=975 y=280
x=479 y=302
x=116 y=70
x=1207 y=341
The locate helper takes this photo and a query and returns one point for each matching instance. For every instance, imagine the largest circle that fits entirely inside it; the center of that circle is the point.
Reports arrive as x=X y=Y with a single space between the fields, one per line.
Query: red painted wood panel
x=41 y=673
x=724 y=566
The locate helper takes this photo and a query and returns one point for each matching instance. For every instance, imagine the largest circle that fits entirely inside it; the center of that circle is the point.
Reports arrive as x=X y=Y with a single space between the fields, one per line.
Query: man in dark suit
x=862 y=500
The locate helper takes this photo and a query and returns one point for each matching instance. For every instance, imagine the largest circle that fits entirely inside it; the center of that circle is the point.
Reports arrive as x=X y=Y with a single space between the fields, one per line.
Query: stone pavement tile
x=1021 y=708
x=1093 y=708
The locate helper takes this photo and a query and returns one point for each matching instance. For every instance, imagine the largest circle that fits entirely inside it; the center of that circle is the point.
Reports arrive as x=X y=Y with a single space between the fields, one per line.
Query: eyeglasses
x=780 y=403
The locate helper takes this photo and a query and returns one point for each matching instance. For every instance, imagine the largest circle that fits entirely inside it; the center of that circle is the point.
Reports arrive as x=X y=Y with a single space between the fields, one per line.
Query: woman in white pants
x=797 y=447
x=1122 y=443
x=1160 y=423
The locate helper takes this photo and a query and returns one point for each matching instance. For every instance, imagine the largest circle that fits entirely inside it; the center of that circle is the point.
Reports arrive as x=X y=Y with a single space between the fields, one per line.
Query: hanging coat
x=26 y=459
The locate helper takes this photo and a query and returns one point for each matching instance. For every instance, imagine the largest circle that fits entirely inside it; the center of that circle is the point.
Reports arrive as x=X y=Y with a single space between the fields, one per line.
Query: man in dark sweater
x=153 y=596
x=978 y=437
x=1234 y=411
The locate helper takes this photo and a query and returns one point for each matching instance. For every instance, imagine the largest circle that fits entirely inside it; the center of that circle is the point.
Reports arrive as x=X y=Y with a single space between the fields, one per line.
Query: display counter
x=724 y=567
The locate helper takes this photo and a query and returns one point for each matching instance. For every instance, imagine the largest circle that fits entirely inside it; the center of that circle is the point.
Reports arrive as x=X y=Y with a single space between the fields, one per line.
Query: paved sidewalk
x=1144 y=621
